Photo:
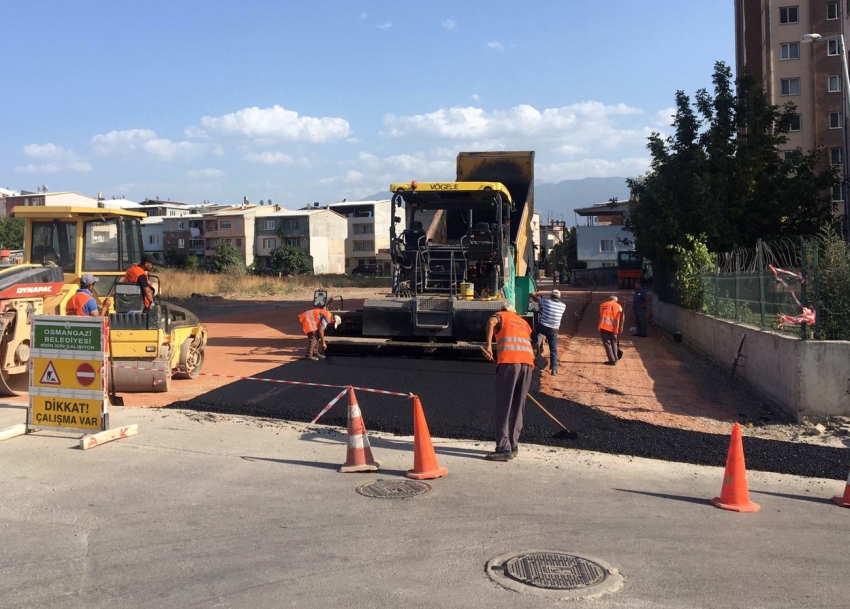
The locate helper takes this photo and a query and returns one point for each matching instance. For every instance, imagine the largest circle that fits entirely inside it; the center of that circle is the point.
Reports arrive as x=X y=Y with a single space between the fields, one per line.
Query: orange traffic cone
x=845 y=500
x=359 y=455
x=425 y=466
x=734 y=494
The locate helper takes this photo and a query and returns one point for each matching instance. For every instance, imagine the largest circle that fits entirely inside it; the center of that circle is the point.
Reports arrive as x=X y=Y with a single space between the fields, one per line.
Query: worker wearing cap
x=514 y=368
x=551 y=312
x=84 y=303
x=138 y=275
x=611 y=322
x=314 y=322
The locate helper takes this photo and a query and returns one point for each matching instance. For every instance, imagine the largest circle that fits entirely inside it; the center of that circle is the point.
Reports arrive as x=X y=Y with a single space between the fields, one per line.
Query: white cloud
x=273 y=124
x=475 y=97
x=143 y=140
x=664 y=118
x=208 y=173
x=450 y=25
x=385 y=25
x=591 y=168
x=59 y=159
x=270 y=158
x=496 y=45
x=364 y=14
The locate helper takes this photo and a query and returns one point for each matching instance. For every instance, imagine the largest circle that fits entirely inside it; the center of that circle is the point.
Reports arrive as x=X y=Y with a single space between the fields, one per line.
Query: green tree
x=227 y=258
x=290 y=260
x=721 y=174
x=12 y=233
x=564 y=255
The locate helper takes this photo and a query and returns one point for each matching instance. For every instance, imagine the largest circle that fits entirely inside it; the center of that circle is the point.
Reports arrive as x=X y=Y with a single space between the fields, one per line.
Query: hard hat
x=337 y=321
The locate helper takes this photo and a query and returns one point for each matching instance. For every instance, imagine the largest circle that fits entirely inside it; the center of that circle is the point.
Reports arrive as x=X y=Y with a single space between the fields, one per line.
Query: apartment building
x=152 y=238
x=183 y=236
x=319 y=232
x=155 y=207
x=234 y=224
x=603 y=235
x=368 y=239
x=793 y=48
x=38 y=199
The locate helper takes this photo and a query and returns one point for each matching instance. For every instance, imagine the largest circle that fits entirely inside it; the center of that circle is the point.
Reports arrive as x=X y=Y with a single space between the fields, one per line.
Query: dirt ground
x=658 y=381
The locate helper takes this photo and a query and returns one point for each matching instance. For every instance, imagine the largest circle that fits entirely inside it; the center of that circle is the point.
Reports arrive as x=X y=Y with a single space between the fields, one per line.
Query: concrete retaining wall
x=803 y=378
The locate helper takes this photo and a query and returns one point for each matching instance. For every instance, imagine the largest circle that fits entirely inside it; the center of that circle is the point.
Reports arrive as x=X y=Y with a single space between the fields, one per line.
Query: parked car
x=368 y=270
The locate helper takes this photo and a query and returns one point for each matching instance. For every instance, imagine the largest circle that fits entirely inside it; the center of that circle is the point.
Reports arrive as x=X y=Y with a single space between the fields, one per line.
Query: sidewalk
x=657 y=381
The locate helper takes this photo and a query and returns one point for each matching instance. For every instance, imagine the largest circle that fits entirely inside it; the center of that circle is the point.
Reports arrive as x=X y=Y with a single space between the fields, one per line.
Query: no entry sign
x=85 y=374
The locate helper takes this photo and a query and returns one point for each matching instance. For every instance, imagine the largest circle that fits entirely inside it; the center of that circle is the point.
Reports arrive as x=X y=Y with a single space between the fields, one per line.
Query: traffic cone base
x=845 y=500
x=425 y=466
x=734 y=494
x=359 y=452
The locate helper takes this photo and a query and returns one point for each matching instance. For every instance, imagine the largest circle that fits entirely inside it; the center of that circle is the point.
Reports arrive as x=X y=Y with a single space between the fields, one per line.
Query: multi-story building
x=152 y=238
x=793 y=48
x=368 y=232
x=183 y=236
x=319 y=232
x=37 y=199
x=603 y=235
x=155 y=207
x=236 y=225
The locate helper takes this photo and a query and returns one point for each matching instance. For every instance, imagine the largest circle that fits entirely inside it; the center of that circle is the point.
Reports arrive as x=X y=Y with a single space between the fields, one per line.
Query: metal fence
x=796 y=286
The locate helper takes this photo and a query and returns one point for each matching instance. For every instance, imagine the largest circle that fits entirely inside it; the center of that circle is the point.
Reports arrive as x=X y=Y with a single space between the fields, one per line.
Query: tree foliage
x=721 y=174
x=227 y=258
x=834 y=280
x=12 y=233
x=290 y=260
x=564 y=255
x=692 y=260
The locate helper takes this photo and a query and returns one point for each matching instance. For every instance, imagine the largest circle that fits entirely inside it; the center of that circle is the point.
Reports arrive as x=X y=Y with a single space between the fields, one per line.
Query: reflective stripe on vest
x=76 y=303
x=513 y=340
x=311 y=319
x=609 y=316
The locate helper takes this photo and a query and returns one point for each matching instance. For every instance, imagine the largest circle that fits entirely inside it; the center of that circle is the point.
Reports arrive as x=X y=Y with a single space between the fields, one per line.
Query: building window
x=834 y=83
x=790 y=86
x=788 y=14
x=789 y=50
x=181 y=226
x=269 y=244
x=153 y=239
x=238 y=242
x=268 y=225
x=238 y=223
x=835 y=156
x=364 y=229
x=792 y=155
x=291 y=224
x=606 y=245
x=606 y=265
x=181 y=244
x=832 y=10
x=832 y=47
x=293 y=242
x=224 y=224
x=794 y=123
x=837 y=195
x=835 y=120
x=196 y=244
x=364 y=246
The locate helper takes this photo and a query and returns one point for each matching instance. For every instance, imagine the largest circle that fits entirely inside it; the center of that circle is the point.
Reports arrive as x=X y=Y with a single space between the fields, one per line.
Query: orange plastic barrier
x=425 y=466
x=359 y=452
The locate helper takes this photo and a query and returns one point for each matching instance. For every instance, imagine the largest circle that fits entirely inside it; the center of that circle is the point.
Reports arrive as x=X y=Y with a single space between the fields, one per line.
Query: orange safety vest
x=311 y=320
x=610 y=313
x=513 y=340
x=132 y=276
x=76 y=303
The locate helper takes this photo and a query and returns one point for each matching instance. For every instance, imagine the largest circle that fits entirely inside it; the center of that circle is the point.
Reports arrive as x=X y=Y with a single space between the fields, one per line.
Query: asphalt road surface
x=457 y=397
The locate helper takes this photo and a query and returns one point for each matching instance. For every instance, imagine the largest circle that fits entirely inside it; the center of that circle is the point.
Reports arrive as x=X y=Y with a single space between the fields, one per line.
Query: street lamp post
x=846 y=94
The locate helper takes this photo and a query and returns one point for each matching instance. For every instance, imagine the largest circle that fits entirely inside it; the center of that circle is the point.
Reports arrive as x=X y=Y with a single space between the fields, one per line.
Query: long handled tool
x=566 y=433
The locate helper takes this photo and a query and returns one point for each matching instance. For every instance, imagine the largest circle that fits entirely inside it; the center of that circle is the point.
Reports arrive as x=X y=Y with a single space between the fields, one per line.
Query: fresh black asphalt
x=457 y=398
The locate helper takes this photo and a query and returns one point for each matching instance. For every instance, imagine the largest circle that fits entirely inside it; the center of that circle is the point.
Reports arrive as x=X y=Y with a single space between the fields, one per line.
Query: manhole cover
x=393 y=489
x=554 y=574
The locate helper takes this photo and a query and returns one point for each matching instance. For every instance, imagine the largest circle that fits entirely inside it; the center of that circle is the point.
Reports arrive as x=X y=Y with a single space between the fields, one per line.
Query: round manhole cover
x=554 y=574
x=393 y=489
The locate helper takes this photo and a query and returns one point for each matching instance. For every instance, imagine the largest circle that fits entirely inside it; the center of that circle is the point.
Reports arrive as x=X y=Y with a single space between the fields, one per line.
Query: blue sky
x=300 y=101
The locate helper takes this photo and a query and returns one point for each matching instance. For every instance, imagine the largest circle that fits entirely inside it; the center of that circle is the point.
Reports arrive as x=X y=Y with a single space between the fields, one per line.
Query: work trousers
x=312 y=343
x=609 y=341
x=512 y=383
x=640 y=321
x=551 y=336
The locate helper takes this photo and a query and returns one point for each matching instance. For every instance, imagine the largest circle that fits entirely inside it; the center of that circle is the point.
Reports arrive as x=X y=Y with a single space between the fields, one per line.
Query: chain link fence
x=796 y=286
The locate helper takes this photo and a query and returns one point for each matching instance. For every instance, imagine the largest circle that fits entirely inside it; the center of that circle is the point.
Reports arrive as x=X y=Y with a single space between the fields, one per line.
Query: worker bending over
x=314 y=322
x=138 y=275
x=84 y=303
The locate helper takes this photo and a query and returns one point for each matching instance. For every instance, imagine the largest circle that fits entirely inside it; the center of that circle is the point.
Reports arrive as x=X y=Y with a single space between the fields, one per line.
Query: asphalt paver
x=457 y=397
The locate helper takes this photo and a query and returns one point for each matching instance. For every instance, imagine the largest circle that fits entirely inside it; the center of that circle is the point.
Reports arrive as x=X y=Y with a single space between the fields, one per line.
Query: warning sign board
x=49 y=411
x=67 y=373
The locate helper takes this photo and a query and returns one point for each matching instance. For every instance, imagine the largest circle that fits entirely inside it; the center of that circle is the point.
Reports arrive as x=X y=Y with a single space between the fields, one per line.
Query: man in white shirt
x=551 y=312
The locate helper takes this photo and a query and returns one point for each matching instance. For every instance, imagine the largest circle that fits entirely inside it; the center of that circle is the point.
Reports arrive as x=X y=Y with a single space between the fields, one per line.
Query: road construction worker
x=84 y=303
x=314 y=322
x=551 y=312
x=138 y=274
x=611 y=322
x=514 y=368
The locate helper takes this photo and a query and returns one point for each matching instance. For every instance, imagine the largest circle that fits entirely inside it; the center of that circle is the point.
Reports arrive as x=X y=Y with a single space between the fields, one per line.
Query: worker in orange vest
x=138 y=274
x=514 y=368
x=84 y=303
x=611 y=322
x=314 y=322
